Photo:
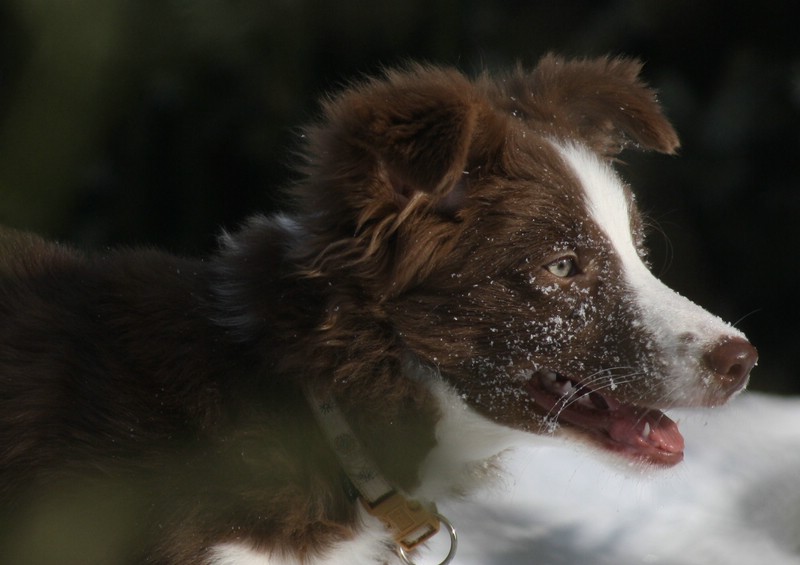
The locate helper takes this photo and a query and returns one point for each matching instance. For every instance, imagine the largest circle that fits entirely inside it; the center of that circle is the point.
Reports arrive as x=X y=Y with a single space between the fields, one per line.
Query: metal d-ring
x=453 y=544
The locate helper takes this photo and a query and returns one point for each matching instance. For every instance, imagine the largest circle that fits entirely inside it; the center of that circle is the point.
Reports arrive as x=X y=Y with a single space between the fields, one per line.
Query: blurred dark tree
x=158 y=122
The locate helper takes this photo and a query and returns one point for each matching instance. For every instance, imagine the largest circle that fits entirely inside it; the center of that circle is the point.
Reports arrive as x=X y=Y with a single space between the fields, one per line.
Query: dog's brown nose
x=731 y=360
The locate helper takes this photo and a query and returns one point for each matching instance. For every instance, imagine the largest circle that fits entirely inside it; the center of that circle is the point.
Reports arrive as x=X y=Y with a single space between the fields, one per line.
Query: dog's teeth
x=646 y=431
x=584 y=400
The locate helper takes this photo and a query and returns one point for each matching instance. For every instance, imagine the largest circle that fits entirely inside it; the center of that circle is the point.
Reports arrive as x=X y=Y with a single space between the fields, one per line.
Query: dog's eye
x=563 y=267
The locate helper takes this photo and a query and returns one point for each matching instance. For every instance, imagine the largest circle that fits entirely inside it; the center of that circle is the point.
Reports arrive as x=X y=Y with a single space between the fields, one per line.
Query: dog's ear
x=392 y=138
x=601 y=101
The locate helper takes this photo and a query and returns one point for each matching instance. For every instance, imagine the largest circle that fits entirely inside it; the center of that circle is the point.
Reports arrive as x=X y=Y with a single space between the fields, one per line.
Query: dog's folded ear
x=600 y=101
x=398 y=136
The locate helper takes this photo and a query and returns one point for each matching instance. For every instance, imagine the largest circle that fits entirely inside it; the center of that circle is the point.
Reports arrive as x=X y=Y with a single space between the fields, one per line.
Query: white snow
x=735 y=500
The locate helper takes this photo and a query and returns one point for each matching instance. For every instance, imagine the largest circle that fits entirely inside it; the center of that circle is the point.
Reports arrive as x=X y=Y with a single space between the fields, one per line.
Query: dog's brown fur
x=175 y=386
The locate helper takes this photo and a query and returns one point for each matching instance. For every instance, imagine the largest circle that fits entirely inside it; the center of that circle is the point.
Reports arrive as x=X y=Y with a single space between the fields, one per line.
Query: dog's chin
x=639 y=433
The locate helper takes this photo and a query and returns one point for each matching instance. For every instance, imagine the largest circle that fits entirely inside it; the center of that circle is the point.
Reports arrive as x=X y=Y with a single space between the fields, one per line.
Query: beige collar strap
x=410 y=522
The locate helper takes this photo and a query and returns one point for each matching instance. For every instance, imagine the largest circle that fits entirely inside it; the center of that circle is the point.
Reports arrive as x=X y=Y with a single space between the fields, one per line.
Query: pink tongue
x=645 y=430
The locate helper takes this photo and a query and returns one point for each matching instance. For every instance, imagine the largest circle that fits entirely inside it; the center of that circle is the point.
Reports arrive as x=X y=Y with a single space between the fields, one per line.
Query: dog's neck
x=465 y=456
x=469 y=450
x=411 y=522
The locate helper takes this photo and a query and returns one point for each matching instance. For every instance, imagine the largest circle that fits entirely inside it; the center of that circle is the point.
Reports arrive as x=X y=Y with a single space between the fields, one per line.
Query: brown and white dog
x=462 y=265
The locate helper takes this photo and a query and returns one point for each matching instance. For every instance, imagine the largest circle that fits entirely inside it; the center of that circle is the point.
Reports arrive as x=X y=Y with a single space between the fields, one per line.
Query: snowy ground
x=735 y=500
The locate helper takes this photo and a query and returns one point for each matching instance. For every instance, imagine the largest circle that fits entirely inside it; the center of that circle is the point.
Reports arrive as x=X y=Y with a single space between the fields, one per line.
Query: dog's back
x=124 y=409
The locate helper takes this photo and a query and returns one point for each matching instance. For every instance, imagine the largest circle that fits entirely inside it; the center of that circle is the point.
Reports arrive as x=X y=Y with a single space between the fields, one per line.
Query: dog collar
x=411 y=522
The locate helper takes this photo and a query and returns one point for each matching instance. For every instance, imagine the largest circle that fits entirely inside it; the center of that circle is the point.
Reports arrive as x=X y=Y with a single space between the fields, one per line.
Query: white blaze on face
x=681 y=331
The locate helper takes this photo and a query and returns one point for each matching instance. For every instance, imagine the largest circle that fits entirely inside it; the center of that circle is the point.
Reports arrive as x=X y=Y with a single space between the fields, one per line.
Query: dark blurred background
x=159 y=121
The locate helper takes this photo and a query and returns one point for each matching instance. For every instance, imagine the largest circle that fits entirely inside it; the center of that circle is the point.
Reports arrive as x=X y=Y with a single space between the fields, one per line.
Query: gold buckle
x=410 y=522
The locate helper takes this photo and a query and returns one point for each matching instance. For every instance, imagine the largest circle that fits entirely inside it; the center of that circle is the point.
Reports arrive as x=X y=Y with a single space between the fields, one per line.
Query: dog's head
x=481 y=223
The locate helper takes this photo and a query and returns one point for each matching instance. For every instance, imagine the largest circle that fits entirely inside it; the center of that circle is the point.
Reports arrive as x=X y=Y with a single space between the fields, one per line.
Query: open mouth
x=637 y=432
